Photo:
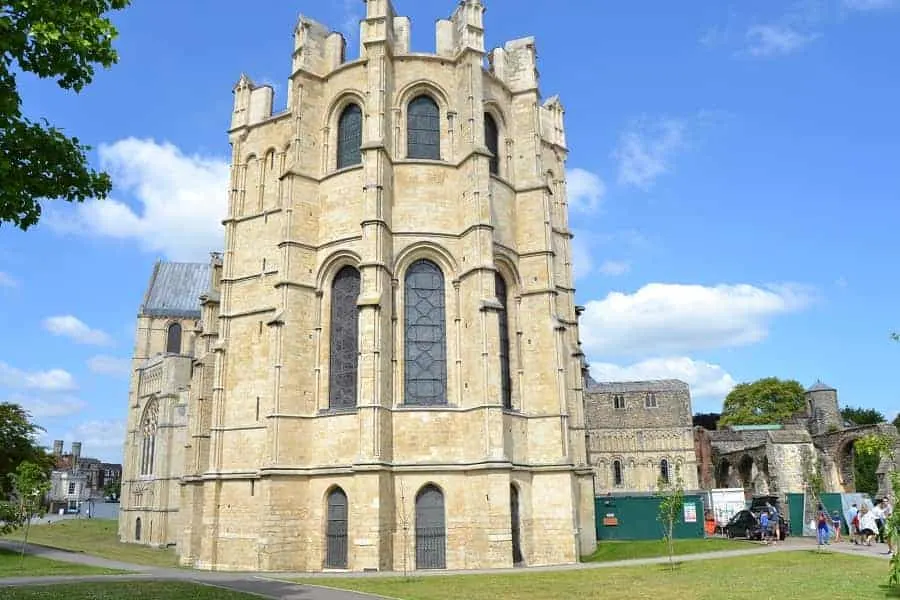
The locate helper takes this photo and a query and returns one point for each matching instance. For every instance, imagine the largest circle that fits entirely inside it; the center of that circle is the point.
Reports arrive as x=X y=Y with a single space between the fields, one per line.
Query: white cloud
x=613 y=268
x=103 y=439
x=585 y=190
x=706 y=379
x=7 y=280
x=181 y=200
x=868 y=5
x=75 y=328
x=666 y=319
x=646 y=150
x=765 y=41
x=54 y=380
x=109 y=365
x=48 y=407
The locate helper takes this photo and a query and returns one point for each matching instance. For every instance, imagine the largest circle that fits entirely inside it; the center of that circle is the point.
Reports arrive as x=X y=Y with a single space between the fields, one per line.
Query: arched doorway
x=137 y=529
x=336 y=530
x=431 y=530
x=514 y=525
x=723 y=473
x=745 y=471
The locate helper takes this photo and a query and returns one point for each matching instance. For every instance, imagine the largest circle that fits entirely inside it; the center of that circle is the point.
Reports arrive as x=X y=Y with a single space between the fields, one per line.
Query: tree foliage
x=765 y=401
x=18 y=445
x=897 y=423
x=862 y=416
x=56 y=39
x=670 y=508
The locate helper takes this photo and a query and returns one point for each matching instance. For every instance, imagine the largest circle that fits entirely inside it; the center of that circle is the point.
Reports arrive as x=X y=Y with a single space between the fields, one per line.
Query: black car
x=745 y=524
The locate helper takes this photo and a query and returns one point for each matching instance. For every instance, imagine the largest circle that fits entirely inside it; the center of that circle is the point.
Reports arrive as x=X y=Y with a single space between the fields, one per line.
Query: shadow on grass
x=669 y=567
x=890 y=591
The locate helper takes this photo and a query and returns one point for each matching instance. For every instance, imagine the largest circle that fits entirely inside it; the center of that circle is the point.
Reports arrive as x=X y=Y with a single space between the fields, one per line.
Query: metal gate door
x=514 y=518
x=336 y=530
x=431 y=531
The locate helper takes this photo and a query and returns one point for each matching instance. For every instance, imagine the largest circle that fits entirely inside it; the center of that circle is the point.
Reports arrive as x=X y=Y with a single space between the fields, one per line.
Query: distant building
x=639 y=432
x=77 y=480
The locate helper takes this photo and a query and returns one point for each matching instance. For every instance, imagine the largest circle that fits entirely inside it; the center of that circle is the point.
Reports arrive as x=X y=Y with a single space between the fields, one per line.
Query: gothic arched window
x=425 y=355
x=618 y=478
x=349 y=141
x=492 y=141
x=505 y=378
x=664 y=470
x=344 y=339
x=149 y=425
x=173 y=339
x=423 y=129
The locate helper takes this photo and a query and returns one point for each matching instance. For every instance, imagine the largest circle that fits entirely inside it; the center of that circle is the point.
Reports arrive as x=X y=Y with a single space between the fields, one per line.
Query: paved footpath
x=273 y=585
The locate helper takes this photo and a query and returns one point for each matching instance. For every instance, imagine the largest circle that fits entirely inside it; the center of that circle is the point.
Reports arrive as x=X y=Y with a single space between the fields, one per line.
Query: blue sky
x=733 y=182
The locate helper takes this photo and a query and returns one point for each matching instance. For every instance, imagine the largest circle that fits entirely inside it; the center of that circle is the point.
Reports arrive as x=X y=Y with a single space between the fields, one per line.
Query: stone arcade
x=382 y=369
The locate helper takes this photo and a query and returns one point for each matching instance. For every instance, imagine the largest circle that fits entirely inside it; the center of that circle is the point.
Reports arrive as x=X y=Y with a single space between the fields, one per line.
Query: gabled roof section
x=175 y=290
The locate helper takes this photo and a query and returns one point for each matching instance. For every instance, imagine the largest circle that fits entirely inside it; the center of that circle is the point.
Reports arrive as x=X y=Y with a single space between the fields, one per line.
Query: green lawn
x=799 y=575
x=145 y=590
x=615 y=550
x=11 y=565
x=97 y=537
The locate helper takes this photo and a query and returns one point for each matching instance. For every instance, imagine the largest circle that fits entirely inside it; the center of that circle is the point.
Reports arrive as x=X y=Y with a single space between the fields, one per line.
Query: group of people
x=866 y=525
x=768 y=524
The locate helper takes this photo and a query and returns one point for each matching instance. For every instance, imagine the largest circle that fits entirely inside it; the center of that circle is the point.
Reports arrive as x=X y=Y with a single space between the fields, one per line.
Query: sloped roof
x=657 y=385
x=818 y=386
x=175 y=290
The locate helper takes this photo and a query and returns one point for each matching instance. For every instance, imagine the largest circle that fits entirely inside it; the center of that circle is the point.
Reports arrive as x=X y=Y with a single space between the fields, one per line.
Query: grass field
x=97 y=537
x=610 y=551
x=146 y=590
x=800 y=575
x=11 y=565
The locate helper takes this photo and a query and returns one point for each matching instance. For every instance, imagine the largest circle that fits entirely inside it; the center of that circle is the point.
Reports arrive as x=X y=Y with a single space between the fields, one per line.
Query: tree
x=62 y=40
x=708 y=421
x=897 y=423
x=765 y=401
x=113 y=489
x=31 y=483
x=17 y=444
x=862 y=416
x=670 y=508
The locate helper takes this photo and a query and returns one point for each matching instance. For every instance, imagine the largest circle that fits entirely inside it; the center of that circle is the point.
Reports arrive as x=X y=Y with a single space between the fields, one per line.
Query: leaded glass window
x=491 y=140
x=425 y=354
x=344 y=339
x=423 y=129
x=505 y=379
x=349 y=137
x=618 y=479
x=173 y=339
x=664 y=470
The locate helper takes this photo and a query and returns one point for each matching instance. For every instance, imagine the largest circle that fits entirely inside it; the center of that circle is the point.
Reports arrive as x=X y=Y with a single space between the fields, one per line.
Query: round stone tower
x=824 y=411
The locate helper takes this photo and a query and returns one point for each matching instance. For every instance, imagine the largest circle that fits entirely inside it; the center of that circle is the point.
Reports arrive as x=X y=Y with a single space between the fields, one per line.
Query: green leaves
x=62 y=40
x=17 y=445
x=763 y=402
x=862 y=416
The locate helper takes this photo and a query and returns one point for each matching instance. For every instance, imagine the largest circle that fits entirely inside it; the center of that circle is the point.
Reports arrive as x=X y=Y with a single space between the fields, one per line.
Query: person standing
x=878 y=513
x=822 y=526
x=836 y=524
x=888 y=510
x=853 y=524
x=764 y=526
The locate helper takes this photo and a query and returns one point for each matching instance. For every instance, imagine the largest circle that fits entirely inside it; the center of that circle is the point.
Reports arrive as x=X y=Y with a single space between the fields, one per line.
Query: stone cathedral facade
x=382 y=369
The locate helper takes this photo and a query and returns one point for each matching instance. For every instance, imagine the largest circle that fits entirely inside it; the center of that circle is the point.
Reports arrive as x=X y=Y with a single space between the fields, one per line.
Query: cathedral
x=382 y=369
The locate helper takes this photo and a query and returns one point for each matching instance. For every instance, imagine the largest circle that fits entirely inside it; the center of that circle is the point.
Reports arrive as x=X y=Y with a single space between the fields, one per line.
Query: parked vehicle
x=745 y=523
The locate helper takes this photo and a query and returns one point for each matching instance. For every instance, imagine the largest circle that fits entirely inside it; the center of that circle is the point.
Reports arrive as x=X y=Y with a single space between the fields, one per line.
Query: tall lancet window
x=349 y=151
x=423 y=129
x=505 y=377
x=425 y=343
x=492 y=141
x=344 y=339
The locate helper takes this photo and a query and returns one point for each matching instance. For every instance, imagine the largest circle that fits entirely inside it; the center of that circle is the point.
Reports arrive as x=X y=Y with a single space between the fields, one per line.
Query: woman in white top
x=868 y=527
